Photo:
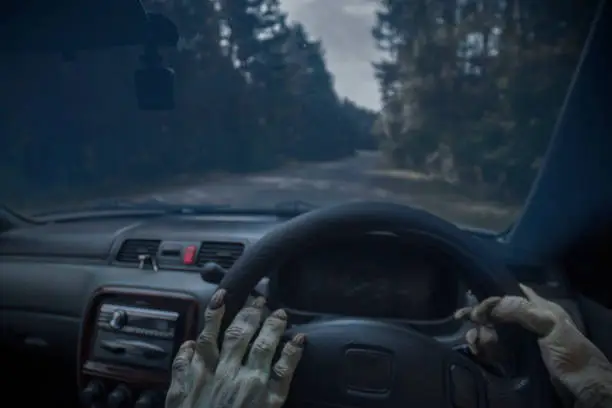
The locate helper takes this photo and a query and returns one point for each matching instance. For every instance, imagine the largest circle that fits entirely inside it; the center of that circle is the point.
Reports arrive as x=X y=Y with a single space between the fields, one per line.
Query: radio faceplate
x=145 y=322
x=130 y=335
x=135 y=336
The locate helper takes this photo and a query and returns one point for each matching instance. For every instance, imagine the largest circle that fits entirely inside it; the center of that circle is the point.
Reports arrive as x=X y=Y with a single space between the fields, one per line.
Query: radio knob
x=92 y=394
x=121 y=397
x=118 y=319
x=150 y=399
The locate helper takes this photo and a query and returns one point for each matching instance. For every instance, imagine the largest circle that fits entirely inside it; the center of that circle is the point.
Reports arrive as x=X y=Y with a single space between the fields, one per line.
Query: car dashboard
x=127 y=291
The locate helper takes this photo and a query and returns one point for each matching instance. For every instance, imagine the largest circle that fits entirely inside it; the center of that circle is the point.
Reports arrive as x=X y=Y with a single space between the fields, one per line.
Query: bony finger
x=481 y=340
x=511 y=309
x=471 y=337
x=207 y=349
x=463 y=313
x=485 y=348
x=481 y=313
x=262 y=350
x=544 y=304
x=514 y=309
x=239 y=334
x=508 y=309
x=284 y=369
x=487 y=337
x=179 y=386
x=530 y=293
x=183 y=358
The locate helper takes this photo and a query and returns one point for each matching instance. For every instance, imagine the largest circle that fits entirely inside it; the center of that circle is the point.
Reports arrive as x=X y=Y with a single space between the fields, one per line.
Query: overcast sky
x=344 y=27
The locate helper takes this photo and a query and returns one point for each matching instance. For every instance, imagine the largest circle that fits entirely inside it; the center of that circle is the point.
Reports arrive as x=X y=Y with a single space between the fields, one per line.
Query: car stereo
x=128 y=341
x=135 y=336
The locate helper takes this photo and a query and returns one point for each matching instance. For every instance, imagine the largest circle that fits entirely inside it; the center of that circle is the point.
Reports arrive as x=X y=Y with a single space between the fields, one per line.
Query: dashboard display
x=371 y=277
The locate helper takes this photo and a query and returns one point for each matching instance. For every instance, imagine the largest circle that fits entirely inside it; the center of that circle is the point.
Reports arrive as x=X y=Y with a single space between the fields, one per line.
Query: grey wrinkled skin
x=205 y=377
x=577 y=367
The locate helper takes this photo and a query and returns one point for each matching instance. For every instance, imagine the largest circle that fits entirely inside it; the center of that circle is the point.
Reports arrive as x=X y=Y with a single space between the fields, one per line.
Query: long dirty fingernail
x=259 y=302
x=280 y=314
x=217 y=299
x=299 y=340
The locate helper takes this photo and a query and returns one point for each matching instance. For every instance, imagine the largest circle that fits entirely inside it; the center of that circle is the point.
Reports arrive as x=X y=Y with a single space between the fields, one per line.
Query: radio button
x=92 y=394
x=121 y=397
x=190 y=254
x=150 y=399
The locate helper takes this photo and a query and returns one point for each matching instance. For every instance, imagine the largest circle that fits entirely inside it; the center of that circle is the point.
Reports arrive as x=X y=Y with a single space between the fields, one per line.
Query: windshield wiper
x=152 y=205
x=157 y=205
x=295 y=206
x=10 y=219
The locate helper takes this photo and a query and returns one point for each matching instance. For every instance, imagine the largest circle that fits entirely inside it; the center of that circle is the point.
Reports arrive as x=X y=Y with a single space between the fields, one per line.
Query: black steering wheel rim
x=484 y=271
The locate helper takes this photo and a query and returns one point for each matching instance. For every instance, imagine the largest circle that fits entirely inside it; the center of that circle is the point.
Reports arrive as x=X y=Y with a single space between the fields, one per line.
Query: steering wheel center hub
x=357 y=360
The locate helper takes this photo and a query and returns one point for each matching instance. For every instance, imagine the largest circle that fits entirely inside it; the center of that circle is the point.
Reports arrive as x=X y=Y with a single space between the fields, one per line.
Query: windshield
x=445 y=105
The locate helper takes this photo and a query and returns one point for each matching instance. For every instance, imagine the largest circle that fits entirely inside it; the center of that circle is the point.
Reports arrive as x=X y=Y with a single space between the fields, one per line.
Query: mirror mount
x=151 y=58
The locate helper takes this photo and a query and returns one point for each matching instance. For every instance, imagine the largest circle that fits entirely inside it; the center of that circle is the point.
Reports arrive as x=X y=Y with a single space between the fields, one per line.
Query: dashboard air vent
x=131 y=248
x=222 y=253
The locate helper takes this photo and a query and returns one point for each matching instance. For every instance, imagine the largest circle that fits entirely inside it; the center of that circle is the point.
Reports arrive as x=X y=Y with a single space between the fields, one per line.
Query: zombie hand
x=574 y=363
x=203 y=377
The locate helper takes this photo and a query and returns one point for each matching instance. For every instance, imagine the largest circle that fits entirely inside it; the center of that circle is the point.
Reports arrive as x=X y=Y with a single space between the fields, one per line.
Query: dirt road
x=362 y=177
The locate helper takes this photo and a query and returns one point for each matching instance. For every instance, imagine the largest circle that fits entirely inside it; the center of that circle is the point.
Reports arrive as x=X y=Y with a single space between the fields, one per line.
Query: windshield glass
x=446 y=105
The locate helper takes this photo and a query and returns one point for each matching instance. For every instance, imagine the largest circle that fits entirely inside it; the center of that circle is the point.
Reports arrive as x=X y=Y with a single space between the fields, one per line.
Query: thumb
x=555 y=309
x=532 y=296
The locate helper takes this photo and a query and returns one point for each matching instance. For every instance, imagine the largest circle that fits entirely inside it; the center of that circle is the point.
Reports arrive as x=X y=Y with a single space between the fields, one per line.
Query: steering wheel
x=364 y=362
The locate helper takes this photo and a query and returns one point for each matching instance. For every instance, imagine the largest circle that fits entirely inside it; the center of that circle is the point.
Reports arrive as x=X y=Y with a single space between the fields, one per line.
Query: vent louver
x=222 y=253
x=131 y=248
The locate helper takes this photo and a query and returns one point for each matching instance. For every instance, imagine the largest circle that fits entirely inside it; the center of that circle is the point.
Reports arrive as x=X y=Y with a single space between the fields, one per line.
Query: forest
x=252 y=91
x=470 y=91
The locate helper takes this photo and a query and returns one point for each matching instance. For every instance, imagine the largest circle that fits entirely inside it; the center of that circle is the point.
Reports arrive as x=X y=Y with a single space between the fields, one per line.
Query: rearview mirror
x=155 y=88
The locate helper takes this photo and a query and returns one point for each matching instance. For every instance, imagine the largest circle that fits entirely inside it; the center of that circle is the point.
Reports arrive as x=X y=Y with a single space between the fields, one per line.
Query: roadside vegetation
x=470 y=92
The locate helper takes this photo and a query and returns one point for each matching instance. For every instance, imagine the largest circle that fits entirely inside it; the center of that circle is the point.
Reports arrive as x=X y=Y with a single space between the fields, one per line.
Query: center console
x=128 y=341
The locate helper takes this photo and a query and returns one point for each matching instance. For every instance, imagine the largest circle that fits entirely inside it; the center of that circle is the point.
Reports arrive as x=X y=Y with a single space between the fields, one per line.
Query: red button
x=189 y=256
